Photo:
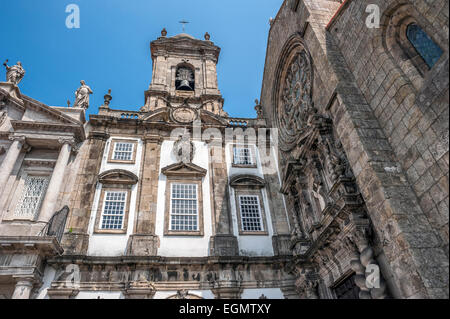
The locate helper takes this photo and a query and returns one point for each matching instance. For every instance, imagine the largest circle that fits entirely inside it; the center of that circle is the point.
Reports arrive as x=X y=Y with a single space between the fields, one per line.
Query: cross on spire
x=183 y=23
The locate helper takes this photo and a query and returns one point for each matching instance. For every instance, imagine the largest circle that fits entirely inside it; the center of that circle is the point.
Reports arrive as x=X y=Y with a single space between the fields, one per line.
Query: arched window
x=185 y=78
x=424 y=45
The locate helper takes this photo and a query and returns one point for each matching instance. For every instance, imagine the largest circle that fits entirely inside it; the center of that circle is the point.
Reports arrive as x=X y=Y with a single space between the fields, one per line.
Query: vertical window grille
x=250 y=213
x=32 y=195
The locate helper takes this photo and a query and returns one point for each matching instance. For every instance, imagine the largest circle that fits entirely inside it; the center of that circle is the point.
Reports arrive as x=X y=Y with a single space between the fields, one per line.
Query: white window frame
x=131 y=152
x=251 y=155
x=104 y=207
x=171 y=210
x=260 y=217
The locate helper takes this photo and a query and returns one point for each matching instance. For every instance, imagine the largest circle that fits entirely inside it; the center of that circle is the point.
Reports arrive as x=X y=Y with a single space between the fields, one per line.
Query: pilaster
x=144 y=242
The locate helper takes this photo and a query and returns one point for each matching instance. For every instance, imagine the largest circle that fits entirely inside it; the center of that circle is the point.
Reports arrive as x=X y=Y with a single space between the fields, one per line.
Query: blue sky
x=111 y=48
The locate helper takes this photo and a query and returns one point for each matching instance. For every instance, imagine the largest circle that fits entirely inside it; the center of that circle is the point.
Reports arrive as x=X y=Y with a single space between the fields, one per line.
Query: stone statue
x=15 y=73
x=82 y=96
x=183 y=149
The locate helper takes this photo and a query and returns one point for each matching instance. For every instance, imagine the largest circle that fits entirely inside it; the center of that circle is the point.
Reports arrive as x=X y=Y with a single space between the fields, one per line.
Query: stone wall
x=394 y=133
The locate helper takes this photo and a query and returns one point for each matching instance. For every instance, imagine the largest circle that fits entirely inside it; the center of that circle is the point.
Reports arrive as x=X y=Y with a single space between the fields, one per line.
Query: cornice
x=77 y=129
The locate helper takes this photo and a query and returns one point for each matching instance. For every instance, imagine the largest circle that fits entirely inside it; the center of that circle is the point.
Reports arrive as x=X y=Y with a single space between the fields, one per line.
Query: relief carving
x=295 y=103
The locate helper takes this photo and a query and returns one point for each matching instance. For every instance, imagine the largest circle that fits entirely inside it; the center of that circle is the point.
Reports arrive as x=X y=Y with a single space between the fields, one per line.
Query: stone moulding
x=247 y=181
x=45 y=245
x=184 y=170
x=118 y=176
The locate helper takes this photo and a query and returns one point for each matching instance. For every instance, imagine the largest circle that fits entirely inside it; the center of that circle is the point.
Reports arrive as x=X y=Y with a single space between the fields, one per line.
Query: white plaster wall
x=270 y=293
x=249 y=245
x=205 y=294
x=114 y=244
x=101 y=294
x=183 y=246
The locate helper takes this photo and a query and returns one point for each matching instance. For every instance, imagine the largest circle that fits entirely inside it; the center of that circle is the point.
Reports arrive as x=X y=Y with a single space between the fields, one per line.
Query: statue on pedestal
x=15 y=73
x=82 y=96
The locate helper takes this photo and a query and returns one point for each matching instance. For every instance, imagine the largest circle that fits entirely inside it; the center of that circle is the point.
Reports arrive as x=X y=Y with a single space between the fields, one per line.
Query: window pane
x=114 y=210
x=123 y=151
x=32 y=196
x=242 y=156
x=424 y=45
x=184 y=210
x=250 y=213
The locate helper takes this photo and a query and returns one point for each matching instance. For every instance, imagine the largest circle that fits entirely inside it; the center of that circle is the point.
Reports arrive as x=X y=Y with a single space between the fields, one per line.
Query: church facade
x=338 y=189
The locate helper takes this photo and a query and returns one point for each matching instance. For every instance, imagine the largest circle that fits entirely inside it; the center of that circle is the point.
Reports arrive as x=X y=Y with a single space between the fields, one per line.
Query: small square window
x=122 y=151
x=243 y=156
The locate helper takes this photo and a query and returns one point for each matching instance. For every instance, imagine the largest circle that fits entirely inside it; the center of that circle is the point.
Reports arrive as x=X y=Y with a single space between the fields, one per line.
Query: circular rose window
x=294 y=99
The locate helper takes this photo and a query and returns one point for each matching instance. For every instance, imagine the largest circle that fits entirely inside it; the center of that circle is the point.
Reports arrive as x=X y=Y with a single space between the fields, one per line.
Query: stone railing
x=246 y=122
x=239 y=122
x=120 y=114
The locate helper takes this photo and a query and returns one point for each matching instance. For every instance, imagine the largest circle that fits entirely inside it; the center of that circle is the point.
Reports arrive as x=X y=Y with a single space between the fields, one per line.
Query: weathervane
x=184 y=22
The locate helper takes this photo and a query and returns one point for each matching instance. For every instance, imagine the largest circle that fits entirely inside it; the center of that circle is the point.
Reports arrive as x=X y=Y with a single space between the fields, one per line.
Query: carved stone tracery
x=295 y=101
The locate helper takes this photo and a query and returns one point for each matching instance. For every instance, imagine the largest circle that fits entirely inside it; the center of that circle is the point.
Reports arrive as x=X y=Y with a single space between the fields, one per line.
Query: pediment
x=36 y=111
x=118 y=176
x=184 y=170
x=159 y=115
x=247 y=181
x=212 y=119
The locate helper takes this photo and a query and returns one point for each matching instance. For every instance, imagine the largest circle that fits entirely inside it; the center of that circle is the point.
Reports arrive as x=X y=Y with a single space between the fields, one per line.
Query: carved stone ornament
x=183 y=149
x=295 y=100
x=184 y=115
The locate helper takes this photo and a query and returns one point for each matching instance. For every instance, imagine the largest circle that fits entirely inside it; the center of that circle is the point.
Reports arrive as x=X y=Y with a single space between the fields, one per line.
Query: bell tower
x=184 y=74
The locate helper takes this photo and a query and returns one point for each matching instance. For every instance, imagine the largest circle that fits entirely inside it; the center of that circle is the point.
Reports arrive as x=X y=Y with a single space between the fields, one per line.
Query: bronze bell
x=184 y=85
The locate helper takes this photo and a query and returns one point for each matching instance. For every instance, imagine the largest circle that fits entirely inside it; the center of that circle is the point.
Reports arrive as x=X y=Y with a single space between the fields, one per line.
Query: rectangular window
x=114 y=210
x=32 y=195
x=243 y=156
x=250 y=213
x=123 y=151
x=184 y=207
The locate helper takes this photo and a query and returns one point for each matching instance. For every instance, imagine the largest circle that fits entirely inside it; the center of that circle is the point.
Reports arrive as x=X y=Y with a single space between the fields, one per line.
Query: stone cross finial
x=183 y=23
x=207 y=36
x=163 y=32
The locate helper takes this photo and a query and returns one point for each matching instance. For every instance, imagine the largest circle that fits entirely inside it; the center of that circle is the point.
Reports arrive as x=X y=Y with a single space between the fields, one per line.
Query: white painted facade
x=249 y=245
x=184 y=246
x=114 y=244
x=165 y=294
x=269 y=293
